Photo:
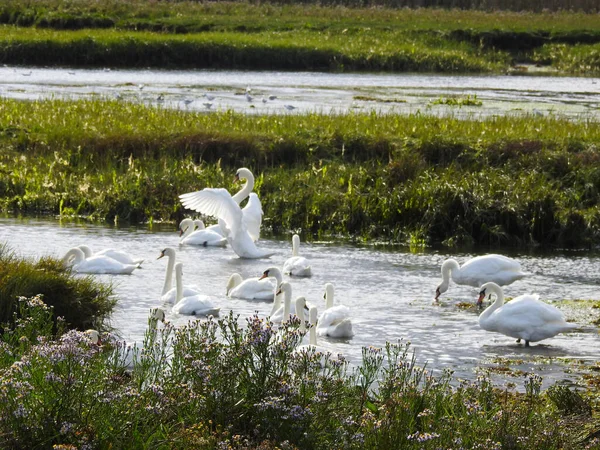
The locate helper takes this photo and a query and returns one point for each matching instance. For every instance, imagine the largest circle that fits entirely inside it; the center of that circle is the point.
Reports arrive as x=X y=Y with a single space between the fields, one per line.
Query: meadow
x=503 y=180
x=294 y=37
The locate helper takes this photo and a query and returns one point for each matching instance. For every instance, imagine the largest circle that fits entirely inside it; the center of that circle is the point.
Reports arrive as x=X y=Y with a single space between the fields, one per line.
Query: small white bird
x=289 y=107
x=187 y=101
x=209 y=97
x=207 y=105
x=249 y=98
x=160 y=98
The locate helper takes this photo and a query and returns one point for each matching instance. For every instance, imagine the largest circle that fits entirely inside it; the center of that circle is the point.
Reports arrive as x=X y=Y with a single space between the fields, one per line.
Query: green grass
x=288 y=37
x=82 y=302
x=504 y=180
x=234 y=384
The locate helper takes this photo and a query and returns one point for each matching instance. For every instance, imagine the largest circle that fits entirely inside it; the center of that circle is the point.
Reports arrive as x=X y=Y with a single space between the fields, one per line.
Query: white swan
x=250 y=288
x=219 y=203
x=253 y=210
x=118 y=255
x=201 y=236
x=169 y=293
x=525 y=317
x=297 y=266
x=96 y=264
x=481 y=269
x=194 y=305
x=335 y=321
x=283 y=313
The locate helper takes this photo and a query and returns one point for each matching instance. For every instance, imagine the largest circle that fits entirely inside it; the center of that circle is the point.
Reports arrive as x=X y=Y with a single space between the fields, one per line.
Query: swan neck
x=494 y=306
x=169 y=275
x=246 y=189
x=179 y=284
x=276 y=301
x=75 y=253
x=312 y=334
x=328 y=298
x=286 y=308
x=295 y=245
x=188 y=230
x=447 y=268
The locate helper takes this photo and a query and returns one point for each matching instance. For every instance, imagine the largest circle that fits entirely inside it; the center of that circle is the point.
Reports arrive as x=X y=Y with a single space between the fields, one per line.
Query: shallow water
x=312 y=91
x=389 y=291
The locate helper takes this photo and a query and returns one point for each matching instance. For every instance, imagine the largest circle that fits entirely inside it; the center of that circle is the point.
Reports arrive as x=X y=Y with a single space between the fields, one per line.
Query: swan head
x=489 y=288
x=184 y=225
x=93 y=336
x=169 y=252
x=443 y=287
x=243 y=174
x=285 y=288
x=273 y=272
x=157 y=314
x=234 y=280
x=86 y=251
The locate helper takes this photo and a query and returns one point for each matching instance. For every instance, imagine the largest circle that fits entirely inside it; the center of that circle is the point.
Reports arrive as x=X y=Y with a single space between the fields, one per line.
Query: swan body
x=201 y=236
x=525 y=317
x=194 y=305
x=219 y=203
x=117 y=255
x=96 y=264
x=250 y=288
x=283 y=313
x=481 y=269
x=297 y=266
x=169 y=294
x=335 y=321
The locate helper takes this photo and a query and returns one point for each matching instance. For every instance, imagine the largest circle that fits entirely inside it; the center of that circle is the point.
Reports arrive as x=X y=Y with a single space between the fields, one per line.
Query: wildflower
x=422 y=437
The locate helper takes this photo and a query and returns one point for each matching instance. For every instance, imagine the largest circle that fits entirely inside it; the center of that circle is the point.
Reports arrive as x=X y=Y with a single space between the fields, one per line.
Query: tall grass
x=81 y=302
x=506 y=180
x=226 y=384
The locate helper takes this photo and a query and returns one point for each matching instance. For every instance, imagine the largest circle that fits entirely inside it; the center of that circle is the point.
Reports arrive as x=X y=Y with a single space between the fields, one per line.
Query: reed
x=511 y=180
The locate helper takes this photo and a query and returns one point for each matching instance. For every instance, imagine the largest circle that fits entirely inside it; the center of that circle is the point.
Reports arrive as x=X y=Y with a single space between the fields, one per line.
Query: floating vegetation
x=469 y=100
x=366 y=98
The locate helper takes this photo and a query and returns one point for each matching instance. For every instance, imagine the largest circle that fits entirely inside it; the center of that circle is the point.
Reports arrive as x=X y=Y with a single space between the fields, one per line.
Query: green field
x=293 y=37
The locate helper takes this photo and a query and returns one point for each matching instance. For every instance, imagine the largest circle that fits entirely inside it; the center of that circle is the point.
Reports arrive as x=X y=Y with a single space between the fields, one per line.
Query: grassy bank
x=222 y=384
x=506 y=180
x=307 y=37
x=82 y=302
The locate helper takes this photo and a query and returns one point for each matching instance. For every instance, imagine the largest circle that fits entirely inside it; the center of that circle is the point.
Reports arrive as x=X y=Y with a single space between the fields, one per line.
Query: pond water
x=389 y=291
x=312 y=91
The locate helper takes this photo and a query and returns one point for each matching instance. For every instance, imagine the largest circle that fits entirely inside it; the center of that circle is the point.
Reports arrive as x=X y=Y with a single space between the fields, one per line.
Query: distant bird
x=209 y=97
x=525 y=317
x=70 y=72
x=160 y=98
x=141 y=86
x=106 y=69
x=264 y=100
x=207 y=105
x=289 y=107
x=118 y=96
x=248 y=97
x=26 y=74
x=481 y=269
x=272 y=97
x=187 y=101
